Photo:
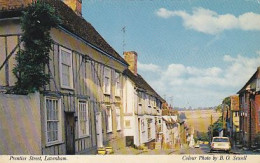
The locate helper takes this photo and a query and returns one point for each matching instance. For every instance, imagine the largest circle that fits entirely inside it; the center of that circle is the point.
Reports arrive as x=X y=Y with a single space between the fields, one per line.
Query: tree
x=36 y=23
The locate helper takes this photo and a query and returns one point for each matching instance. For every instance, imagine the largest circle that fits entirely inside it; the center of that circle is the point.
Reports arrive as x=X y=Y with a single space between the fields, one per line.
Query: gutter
x=13 y=18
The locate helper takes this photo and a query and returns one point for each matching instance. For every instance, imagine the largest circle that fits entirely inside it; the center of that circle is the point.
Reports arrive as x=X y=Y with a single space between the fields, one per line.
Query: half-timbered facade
x=142 y=107
x=81 y=107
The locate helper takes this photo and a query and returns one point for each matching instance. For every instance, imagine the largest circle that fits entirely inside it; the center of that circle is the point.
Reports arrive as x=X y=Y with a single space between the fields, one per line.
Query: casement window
x=149 y=128
x=139 y=108
x=66 y=76
x=53 y=120
x=142 y=125
x=139 y=97
x=83 y=119
x=109 y=119
x=118 y=119
x=107 y=81
x=117 y=85
x=258 y=84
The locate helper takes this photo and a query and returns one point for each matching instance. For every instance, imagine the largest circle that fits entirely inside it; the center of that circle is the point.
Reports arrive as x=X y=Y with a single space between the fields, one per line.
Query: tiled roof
x=71 y=22
x=247 y=83
x=142 y=84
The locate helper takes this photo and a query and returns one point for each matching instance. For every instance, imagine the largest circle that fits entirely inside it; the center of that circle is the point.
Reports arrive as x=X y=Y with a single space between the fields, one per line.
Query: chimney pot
x=131 y=59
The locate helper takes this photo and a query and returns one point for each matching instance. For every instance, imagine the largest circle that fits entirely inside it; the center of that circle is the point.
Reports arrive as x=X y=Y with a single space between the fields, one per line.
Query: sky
x=192 y=52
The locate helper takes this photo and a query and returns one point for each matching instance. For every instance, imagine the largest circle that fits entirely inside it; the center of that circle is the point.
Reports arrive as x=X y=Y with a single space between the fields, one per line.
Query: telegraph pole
x=211 y=124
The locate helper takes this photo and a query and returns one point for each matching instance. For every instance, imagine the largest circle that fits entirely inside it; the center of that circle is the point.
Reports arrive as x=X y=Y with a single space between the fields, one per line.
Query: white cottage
x=142 y=107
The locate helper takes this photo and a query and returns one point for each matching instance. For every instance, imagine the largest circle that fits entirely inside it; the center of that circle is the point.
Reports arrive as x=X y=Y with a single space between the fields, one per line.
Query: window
x=53 y=118
x=139 y=97
x=142 y=125
x=139 y=108
x=149 y=100
x=257 y=84
x=83 y=119
x=117 y=86
x=66 y=68
x=109 y=119
x=107 y=80
x=118 y=118
x=259 y=117
x=149 y=121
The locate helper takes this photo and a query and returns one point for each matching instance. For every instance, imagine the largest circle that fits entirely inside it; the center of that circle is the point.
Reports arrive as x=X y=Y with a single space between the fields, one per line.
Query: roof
x=247 y=83
x=71 y=22
x=142 y=84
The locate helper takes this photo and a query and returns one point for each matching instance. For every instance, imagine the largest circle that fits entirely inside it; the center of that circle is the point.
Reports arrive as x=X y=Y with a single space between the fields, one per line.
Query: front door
x=139 y=131
x=99 y=129
x=70 y=133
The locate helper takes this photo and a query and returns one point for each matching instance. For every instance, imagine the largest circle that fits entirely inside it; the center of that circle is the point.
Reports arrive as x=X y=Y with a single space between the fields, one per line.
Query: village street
x=202 y=150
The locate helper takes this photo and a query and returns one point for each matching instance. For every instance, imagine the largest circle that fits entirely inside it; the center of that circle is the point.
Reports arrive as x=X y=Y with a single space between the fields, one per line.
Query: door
x=139 y=131
x=70 y=133
x=99 y=129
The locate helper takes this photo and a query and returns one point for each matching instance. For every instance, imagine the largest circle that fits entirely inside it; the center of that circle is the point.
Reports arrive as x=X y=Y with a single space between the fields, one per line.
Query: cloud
x=210 y=22
x=148 y=67
x=196 y=86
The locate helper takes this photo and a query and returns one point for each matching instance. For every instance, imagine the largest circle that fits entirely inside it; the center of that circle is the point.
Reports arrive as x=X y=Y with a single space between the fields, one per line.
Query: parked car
x=220 y=144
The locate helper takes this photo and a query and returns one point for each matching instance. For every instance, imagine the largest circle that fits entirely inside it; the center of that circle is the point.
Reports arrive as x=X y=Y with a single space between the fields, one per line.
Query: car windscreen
x=220 y=140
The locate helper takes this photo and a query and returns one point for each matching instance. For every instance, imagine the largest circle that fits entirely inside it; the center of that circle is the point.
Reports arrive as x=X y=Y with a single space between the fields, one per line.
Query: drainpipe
x=250 y=122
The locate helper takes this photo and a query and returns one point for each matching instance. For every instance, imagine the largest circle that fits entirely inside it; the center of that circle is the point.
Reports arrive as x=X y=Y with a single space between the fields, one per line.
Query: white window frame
x=258 y=84
x=118 y=118
x=83 y=118
x=109 y=119
x=117 y=84
x=59 y=128
x=70 y=70
x=142 y=125
x=107 y=74
x=149 y=129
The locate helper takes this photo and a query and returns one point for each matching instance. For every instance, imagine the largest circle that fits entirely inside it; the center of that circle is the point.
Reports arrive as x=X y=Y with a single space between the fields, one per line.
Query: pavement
x=134 y=151
x=204 y=149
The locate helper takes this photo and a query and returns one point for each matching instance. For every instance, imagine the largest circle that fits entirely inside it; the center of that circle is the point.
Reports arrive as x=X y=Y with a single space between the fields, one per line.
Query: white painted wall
x=20 y=124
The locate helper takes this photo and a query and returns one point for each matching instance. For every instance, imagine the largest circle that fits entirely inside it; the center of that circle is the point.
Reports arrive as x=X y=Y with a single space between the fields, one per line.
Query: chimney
x=131 y=59
x=75 y=5
x=13 y=3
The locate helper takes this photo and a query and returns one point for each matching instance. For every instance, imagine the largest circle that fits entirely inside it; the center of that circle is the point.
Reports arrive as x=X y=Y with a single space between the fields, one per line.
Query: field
x=200 y=119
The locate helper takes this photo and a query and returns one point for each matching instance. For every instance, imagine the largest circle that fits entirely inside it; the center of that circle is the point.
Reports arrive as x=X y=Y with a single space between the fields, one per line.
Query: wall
x=20 y=125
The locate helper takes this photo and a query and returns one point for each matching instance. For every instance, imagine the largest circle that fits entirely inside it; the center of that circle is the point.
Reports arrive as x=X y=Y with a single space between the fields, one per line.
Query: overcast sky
x=196 y=51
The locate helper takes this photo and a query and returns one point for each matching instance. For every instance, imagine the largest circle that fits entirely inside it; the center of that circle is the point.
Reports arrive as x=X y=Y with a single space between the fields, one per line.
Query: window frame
x=59 y=134
x=107 y=74
x=87 y=121
x=117 y=84
x=70 y=70
x=109 y=120
x=118 y=118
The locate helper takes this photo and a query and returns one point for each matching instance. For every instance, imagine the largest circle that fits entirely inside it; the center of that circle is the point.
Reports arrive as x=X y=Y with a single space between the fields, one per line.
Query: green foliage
x=36 y=23
x=227 y=101
x=216 y=126
x=203 y=136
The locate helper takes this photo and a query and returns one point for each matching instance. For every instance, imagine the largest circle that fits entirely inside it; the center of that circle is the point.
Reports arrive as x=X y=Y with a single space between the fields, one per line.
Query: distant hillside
x=200 y=119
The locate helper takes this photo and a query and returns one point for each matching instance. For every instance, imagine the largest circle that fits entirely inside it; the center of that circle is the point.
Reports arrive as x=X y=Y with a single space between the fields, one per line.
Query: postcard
x=107 y=80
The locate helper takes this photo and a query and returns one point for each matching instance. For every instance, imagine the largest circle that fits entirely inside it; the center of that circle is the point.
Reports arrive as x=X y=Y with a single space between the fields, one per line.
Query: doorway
x=70 y=133
x=99 y=129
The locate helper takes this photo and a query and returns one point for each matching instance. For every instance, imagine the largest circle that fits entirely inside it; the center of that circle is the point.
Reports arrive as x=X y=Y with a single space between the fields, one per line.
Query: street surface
x=203 y=149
